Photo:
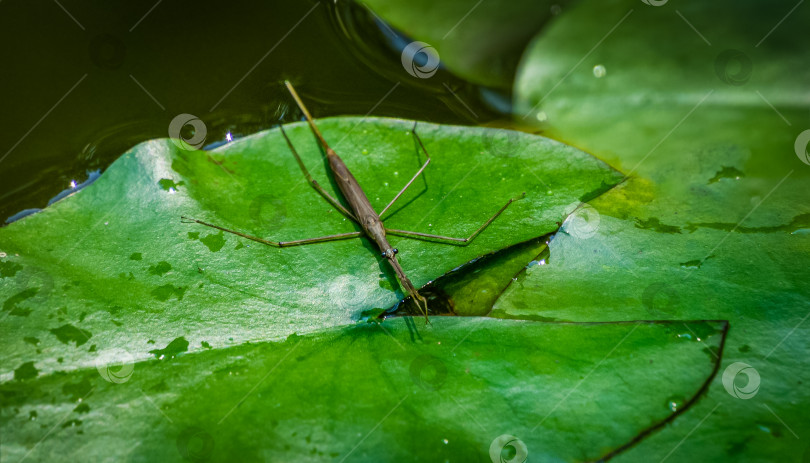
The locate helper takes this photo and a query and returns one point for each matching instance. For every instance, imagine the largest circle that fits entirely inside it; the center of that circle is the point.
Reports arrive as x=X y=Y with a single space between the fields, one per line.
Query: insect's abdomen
x=349 y=187
x=358 y=201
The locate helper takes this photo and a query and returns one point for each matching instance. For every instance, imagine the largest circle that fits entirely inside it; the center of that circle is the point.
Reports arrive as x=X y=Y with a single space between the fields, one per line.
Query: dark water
x=84 y=81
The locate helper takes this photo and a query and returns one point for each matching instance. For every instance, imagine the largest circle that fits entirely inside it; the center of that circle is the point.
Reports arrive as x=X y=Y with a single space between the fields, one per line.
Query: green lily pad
x=114 y=263
x=479 y=41
x=457 y=389
x=712 y=222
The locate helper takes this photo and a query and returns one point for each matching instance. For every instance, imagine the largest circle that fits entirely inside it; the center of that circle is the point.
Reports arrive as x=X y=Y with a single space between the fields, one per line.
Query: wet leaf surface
x=113 y=262
x=712 y=222
x=441 y=392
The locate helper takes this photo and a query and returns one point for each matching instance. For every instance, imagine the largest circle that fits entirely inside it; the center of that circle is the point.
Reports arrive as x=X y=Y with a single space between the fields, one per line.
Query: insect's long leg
x=308 y=117
x=415 y=176
x=334 y=202
x=277 y=244
x=452 y=240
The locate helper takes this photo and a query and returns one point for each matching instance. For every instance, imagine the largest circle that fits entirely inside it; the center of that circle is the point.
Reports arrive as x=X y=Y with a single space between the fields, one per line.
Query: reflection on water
x=120 y=78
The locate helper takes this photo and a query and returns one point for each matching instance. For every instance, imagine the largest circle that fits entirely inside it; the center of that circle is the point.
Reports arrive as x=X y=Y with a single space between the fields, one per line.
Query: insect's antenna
x=306 y=114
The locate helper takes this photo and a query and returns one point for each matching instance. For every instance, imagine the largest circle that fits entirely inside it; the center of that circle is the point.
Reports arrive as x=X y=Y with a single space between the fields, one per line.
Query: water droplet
x=73 y=183
x=764 y=428
x=675 y=403
x=365 y=151
x=542 y=116
x=446 y=441
x=396 y=173
x=386 y=183
x=228 y=136
x=599 y=71
x=430 y=225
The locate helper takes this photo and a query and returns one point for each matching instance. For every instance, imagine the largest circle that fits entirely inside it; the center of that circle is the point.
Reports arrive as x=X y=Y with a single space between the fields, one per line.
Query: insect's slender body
x=364 y=213
x=360 y=209
x=371 y=222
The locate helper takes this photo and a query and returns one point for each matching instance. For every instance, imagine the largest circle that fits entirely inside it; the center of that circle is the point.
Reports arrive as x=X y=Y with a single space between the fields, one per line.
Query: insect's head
x=390 y=253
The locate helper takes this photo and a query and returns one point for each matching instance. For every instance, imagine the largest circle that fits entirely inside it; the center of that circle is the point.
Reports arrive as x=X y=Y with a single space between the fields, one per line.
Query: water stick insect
x=360 y=210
